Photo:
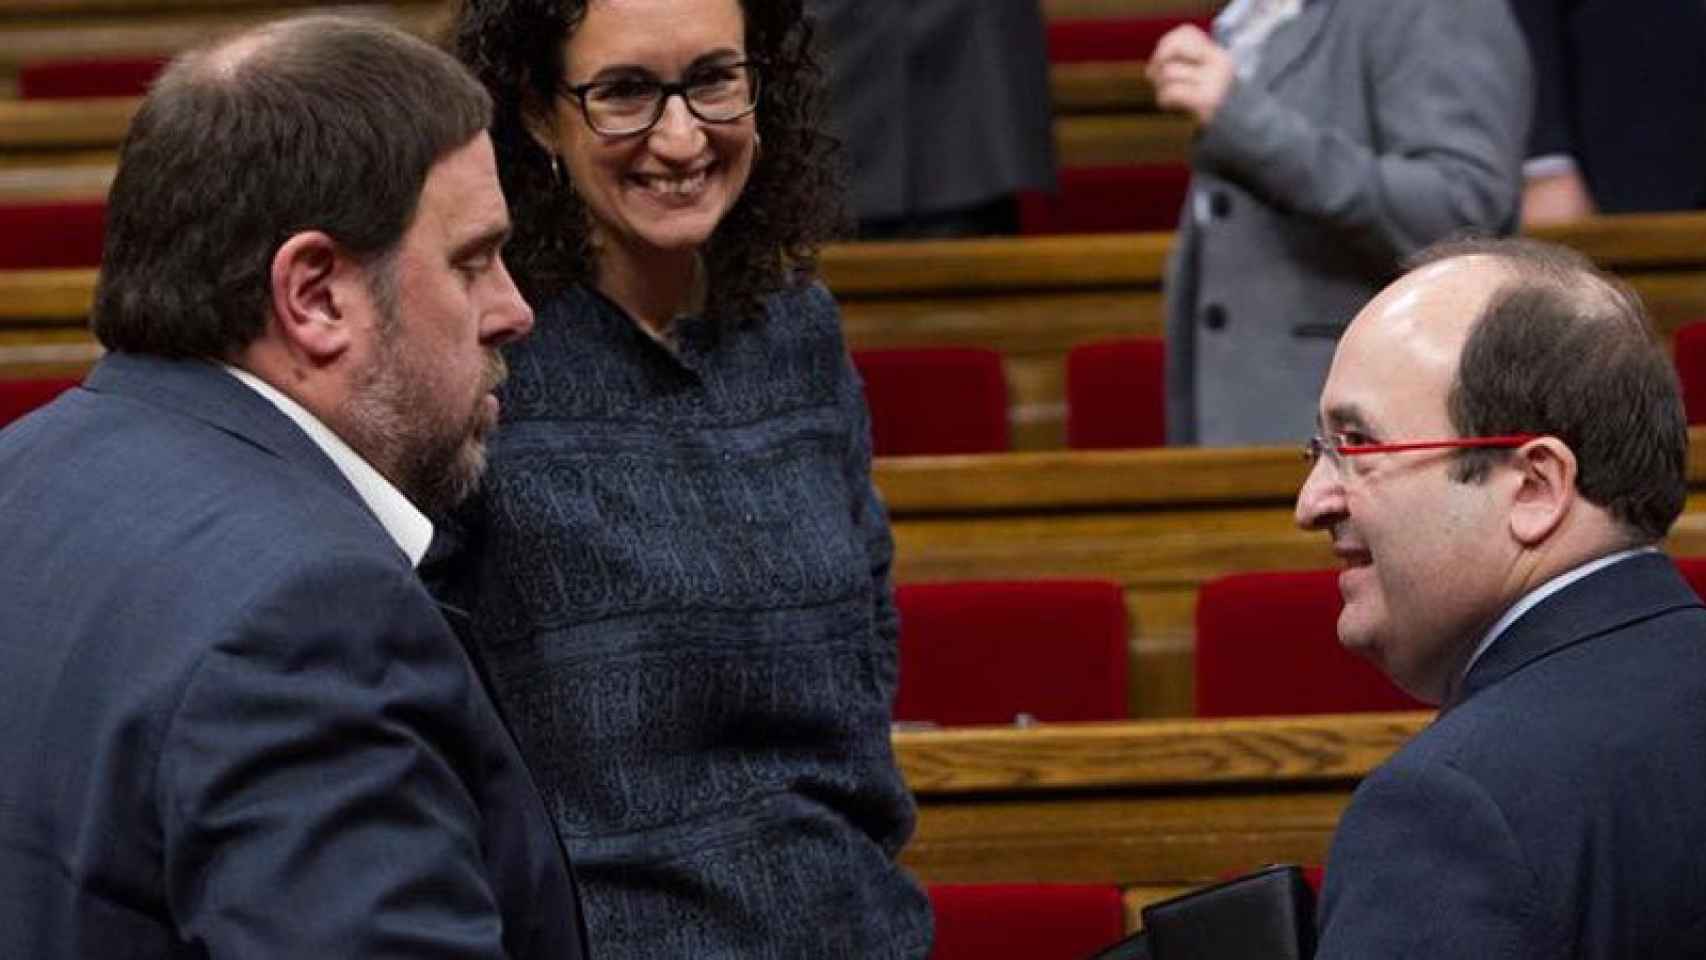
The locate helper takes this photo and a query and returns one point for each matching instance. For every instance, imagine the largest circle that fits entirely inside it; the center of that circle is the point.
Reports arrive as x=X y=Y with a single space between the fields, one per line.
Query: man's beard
x=434 y=456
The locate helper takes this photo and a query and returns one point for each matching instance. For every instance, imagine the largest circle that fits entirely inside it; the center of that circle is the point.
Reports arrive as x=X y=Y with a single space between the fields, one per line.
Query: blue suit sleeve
x=313 y=782
x=1425 y=865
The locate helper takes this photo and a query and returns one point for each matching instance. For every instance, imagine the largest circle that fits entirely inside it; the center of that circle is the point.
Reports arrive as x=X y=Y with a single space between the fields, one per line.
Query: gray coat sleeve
x=1451 y=98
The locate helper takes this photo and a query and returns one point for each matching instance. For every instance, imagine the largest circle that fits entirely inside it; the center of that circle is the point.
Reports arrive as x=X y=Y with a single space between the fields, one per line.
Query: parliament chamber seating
x=1114 y=38
x=18 y=397
x=935 y=400
x=1024 y=921
x=993 y=651
x=51 y=235
x=1689 y=351
x=115 y=76
x=1107 y=199
x=1116 y=394
x=1267 y=645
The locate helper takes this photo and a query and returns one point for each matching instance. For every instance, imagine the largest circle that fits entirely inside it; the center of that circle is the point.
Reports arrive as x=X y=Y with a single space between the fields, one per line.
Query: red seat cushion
x=1694 y=571
x=61 y=234
x=103 y=77
x=18 y=397
x=1267 y=644
x=1122 y=38
x=935 y=400
x=1116 y=394
x=1024 y=921
x=987 y=651
x=1690 y=354
x=1112 y=199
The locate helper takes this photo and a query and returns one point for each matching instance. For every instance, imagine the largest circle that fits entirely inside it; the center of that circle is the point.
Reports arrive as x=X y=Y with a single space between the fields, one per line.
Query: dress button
x=1214 y=316
x=1220 y=204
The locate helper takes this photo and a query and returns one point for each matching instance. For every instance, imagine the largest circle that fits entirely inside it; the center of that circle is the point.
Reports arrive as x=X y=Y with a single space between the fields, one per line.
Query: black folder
x=1266 y=915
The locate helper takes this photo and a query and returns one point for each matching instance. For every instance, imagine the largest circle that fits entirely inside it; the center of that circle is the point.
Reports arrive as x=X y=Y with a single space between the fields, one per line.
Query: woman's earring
x=557 y=168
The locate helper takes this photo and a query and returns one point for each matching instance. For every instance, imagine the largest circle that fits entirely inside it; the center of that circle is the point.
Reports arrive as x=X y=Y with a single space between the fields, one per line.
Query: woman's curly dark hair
x=794 y=198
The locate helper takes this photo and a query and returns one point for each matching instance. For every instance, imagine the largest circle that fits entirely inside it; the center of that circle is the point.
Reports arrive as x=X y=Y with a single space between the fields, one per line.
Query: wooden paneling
x=1034 y=298
x=1106 y=9
x=1116 y=86
x=38 y=131
x=78 y=29
x=1154 y=807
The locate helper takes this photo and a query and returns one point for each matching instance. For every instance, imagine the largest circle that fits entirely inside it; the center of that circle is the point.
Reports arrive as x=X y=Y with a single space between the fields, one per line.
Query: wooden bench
x=1155 y=807
x=39 y=133
x=1158 y=522
x=1034 y=298
x=90 y=29
x=1107 y=9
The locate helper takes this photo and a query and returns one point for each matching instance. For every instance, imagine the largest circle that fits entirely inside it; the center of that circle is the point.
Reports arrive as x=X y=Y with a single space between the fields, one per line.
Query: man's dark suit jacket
x=1558 y=808
x=232 y=721
x=1621 y=87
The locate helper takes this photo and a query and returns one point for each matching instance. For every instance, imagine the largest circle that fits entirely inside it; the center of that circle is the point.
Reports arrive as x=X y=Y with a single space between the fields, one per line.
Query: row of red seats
x=1266 y=645
x=1056 y=650
x=944 y=400
x=950 y=400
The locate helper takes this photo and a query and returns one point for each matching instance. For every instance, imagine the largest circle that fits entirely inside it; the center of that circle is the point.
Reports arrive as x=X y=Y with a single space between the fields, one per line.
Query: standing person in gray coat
x=944 y=109
x=1337 y=136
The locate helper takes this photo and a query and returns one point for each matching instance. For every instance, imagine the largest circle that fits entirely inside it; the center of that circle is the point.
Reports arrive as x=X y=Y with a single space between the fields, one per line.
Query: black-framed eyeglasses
x=624 y=106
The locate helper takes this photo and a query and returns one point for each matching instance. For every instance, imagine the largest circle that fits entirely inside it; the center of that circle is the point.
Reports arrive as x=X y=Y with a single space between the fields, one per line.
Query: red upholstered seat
x=1267 y=644
x=1690 y=353
x=935 y=400
x=18 y=397
x=1116 y=394
x=987 y=651
x=1123 y=38
x=66 y=233
x=1024 y=921
x=103 y=77
x=1694 y=571
x=1114 y=199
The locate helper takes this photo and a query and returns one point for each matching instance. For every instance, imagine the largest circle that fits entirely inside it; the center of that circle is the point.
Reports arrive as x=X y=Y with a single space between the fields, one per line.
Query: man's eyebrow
x=1340 y=416
x=486 y=241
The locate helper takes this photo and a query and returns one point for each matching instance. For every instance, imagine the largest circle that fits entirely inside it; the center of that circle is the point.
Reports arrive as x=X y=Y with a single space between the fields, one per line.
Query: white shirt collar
x=1533 y=597
x=406 y=524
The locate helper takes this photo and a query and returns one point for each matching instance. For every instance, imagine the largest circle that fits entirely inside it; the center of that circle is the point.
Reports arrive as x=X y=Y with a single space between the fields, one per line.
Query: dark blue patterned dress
x=679 y=579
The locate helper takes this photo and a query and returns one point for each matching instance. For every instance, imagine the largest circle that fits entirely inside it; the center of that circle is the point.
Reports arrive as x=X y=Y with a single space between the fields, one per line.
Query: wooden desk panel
x=80 y=29
x=1106 y=9
x=1150 y=806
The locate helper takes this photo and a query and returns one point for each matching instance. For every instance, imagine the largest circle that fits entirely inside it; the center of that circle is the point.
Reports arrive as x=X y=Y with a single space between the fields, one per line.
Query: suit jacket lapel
x=201 y=391
x=1286 y=47
x=1627 y=591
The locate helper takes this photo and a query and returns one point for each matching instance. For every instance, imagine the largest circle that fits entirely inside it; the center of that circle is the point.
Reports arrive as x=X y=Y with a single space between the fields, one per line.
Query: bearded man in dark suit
x=233 y=723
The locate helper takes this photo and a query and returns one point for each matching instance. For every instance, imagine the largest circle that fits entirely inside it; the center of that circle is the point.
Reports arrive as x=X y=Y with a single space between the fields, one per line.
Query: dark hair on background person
x=791 y=206
x=278 y=138
x=1568 y=351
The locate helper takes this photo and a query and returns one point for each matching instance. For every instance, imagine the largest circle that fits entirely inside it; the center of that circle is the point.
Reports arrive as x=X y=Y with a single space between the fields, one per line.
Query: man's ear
x=1545 y=489
x=310 y=296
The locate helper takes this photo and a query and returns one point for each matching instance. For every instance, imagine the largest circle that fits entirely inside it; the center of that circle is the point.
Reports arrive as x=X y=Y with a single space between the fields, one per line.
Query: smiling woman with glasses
x=678 y=569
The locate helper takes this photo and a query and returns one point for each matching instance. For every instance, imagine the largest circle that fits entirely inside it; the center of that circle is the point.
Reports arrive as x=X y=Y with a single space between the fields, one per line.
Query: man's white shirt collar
x=1533 y=597
x=406 y=524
